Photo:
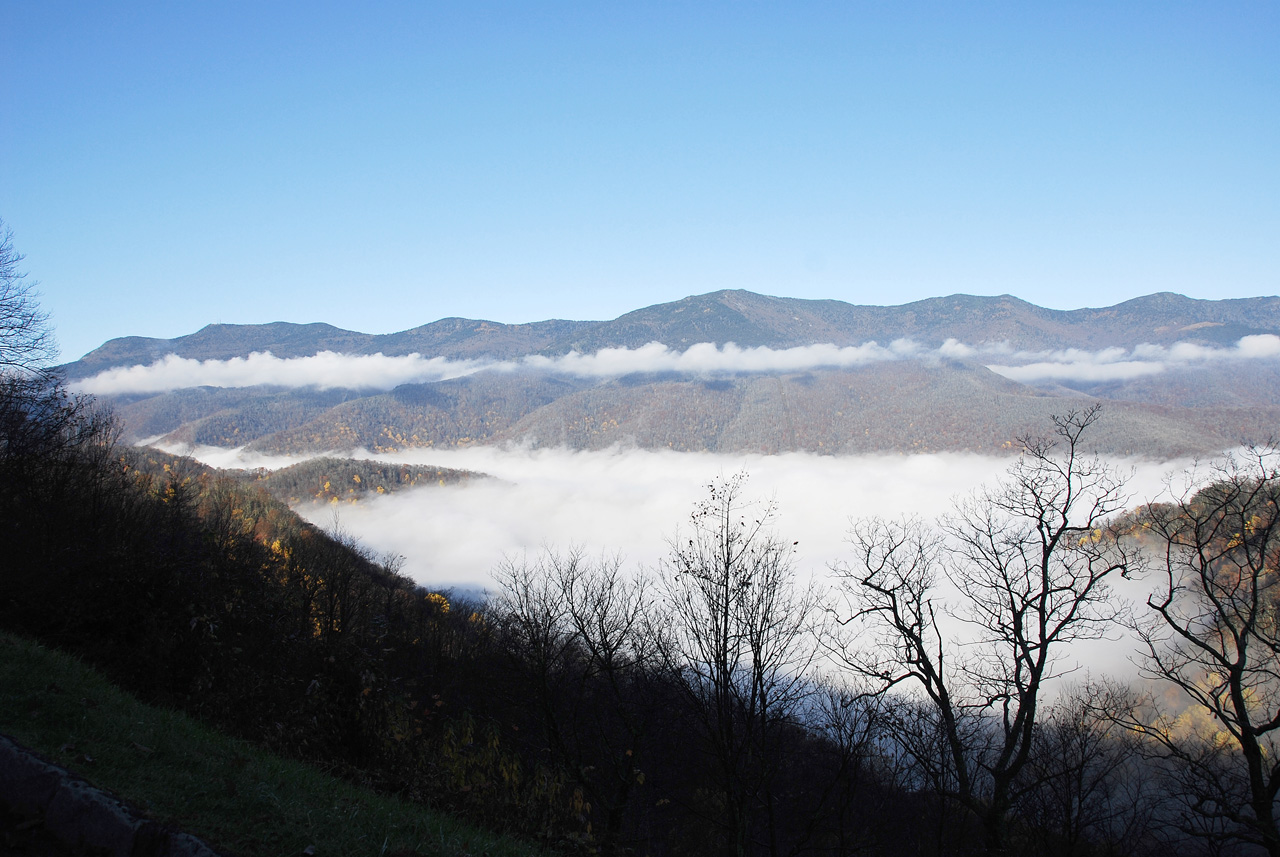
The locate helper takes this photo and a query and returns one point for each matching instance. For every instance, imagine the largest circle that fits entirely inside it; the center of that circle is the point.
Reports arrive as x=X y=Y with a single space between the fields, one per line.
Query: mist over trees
x=714 y=704
x=955 y=721
x=1030 y=560
x=933 y=705
x=1213 y=634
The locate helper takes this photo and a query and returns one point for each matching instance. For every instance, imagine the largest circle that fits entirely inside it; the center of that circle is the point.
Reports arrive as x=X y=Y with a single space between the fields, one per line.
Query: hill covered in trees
x=316 y=481
x=743 y=317
x=960 y=373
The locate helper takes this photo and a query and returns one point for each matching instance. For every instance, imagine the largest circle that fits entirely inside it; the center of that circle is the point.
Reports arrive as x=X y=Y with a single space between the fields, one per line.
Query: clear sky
x=378 y=166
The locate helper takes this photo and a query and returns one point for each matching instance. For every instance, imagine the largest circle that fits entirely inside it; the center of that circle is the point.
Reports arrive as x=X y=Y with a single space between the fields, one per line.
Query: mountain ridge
x=932 y=403
x=745 y=318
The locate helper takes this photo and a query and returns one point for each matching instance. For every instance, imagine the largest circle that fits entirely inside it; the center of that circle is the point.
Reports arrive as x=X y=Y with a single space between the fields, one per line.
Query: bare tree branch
x=1214 y=634
x=26 y=340
x=1030 y=559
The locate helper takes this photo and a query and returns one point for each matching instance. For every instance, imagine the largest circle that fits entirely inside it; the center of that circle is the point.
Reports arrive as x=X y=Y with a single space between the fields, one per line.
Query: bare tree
x=733 y=632
x=37 y=415
x=853 y=723
x=1214 y=635
x=577 y=625
x=1029 y=560
x=26 y=340
x=1087 y=788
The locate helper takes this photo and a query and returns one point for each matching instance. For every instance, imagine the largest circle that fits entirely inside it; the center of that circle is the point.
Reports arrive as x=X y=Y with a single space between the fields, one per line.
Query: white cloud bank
x=324 y=370
x=329 y=369
x=632 y=501
x=707 y=358
x=1119 y=364
x=380 y=372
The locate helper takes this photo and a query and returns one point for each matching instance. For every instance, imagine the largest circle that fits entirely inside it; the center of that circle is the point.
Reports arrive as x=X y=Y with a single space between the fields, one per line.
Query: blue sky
x=379 y=166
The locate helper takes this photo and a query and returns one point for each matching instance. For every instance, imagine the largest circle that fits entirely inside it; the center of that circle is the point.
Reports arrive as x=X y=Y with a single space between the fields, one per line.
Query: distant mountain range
x=1194 y=388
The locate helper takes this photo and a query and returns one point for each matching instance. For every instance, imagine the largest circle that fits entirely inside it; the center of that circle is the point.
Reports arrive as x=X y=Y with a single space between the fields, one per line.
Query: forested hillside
x=1196 y=393
x=737 y=316
x=317 y=480
x=894 y=407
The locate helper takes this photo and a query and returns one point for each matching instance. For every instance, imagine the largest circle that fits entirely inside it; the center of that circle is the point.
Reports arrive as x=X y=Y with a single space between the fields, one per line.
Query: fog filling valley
x=633 y=502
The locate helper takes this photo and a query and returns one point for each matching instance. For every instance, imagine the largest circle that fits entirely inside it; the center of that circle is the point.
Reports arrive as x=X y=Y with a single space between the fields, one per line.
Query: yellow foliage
x=1196 y=720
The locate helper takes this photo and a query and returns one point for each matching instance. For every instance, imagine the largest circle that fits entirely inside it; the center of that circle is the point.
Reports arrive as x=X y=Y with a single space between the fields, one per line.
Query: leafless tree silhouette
x=1029 y=560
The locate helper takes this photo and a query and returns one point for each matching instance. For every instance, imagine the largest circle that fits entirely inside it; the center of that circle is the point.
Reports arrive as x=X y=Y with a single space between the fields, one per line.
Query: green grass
x=227 y=792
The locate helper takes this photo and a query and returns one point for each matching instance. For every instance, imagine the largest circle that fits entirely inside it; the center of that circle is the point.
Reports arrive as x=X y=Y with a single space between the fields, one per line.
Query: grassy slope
x=225 y=791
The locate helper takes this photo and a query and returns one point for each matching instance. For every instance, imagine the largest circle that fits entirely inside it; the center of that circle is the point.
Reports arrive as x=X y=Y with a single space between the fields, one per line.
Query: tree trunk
x=995 y=826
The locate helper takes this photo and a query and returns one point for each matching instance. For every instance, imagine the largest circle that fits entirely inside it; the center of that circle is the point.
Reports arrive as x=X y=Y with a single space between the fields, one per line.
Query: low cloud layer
x=325 y=370
x=329 y=369
x=380 y=372
x=632 y=502
x=1119 y=364
x=708 y=358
